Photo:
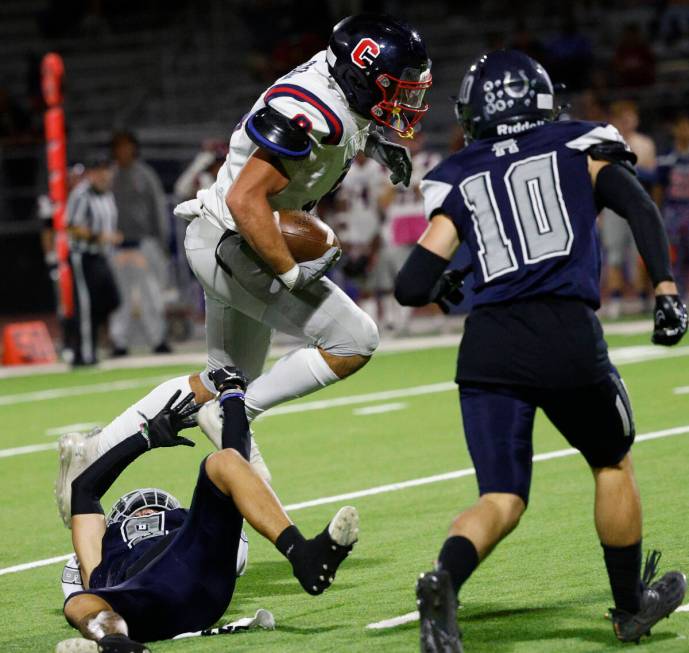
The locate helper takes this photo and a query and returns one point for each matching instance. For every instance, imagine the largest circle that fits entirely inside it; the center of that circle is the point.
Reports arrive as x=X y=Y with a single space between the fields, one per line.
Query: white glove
x=305 y=273
x=189 y=210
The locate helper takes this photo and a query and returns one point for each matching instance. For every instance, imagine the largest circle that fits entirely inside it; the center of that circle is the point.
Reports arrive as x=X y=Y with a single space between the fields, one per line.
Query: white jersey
x=337 y=135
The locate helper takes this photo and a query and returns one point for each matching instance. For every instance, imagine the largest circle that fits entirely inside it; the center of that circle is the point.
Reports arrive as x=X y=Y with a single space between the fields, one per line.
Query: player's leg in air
x=200 y=556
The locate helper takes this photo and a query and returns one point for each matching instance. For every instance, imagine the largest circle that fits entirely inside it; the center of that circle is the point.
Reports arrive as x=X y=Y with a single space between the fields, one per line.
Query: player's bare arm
x=248 y=202
x=617 y=188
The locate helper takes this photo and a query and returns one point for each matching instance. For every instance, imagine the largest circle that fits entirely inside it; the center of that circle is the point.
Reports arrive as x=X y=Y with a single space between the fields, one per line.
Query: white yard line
x=69 y=428
x=682 y=390
x=391 y=487
x=395 y=621
x=29 y=448
x=80 y=390
x=380 y=408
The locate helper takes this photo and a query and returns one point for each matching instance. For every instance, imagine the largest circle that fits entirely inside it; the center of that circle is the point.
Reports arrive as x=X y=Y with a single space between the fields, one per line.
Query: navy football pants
x=189 y=585
x=498 y=424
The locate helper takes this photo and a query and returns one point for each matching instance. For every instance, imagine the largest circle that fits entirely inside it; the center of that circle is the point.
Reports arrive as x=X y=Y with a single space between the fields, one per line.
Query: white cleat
x=344 y=527
x=76 y=452
x=210 y=421
x=77 y=645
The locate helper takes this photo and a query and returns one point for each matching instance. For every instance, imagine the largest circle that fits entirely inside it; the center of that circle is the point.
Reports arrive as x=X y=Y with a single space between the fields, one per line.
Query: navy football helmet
x=504 y=92
x=135 y=500
x=383 y=68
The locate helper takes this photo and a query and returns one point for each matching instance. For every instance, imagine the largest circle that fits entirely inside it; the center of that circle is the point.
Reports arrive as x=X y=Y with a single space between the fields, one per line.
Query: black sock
x=235 y=428
x=459 y=558
x=624 y=570
x=289 y=541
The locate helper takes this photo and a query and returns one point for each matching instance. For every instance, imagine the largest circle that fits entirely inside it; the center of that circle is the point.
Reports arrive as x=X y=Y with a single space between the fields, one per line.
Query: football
x=306 y=235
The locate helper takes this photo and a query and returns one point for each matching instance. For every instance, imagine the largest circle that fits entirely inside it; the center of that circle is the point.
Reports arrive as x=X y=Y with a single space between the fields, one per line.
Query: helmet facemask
x=403 y=104
x=128 y=504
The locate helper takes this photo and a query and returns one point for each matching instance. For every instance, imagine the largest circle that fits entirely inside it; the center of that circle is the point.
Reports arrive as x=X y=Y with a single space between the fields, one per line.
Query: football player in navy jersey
x=154 y=570
x=524 y=195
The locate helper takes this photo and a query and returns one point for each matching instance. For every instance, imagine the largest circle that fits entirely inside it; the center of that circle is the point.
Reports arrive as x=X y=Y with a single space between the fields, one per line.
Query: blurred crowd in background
x=626 y=63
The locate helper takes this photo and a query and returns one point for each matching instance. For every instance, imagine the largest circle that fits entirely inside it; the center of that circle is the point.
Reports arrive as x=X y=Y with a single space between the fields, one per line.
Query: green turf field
x=543 y=591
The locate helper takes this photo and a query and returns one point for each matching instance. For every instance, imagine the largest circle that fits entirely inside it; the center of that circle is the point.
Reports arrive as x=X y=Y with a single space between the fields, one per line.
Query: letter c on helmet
x=365 y=51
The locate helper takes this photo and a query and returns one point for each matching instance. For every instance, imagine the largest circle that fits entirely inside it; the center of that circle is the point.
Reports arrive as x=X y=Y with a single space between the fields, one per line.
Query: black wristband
x=619 y=190
x=416 y=280
x=96 y=479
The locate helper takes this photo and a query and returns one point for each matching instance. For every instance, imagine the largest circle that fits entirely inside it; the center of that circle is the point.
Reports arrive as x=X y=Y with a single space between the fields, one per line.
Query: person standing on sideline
x=92 y=227
x=143 y=221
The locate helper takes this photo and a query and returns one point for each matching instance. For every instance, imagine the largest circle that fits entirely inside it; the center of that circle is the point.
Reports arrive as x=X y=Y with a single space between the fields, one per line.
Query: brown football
x=306 y=235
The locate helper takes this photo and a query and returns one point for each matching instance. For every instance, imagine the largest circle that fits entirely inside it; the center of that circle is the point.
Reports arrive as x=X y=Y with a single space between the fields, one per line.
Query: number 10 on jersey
x=538 y=210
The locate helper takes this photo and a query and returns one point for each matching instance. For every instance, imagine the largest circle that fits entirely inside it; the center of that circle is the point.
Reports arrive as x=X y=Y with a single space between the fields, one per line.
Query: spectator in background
x=634 y=63
x=92 y=227
x=357 y=222
x=672 y=195
x=618 y=243
x=202 y=171
x=140 y=259
x=570 y=56
x=405 y=221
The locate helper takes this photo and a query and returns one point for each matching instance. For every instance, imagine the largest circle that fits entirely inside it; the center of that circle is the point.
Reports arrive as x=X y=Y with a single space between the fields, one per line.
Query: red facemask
x=402 y=105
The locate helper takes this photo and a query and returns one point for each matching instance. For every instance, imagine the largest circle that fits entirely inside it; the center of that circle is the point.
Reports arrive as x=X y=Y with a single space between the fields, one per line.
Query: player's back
x=525 y=206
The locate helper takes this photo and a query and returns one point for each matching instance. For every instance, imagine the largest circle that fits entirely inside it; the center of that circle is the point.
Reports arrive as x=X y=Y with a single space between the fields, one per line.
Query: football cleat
x=437 y=605
x=210 y=421
x=315 y=563
x=76 y=452
x=658 y=601
x=109 y=644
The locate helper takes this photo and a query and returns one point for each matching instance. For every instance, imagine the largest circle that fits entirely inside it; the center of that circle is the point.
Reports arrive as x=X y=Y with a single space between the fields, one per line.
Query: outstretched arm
x=88 y=522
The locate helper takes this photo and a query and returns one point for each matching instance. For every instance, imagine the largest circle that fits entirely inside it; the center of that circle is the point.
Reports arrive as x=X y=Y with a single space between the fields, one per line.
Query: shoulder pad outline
x=279 y=135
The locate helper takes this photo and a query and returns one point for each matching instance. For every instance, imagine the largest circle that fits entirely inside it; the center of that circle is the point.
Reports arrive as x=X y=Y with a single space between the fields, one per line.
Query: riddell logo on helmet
x=517 y=127
x=365 y=52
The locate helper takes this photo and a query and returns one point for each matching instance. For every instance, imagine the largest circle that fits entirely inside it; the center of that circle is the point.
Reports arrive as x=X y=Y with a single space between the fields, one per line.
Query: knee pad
x=357 y=336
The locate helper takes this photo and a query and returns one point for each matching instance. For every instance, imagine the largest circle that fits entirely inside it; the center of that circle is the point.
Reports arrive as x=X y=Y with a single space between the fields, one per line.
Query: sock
x=297 y=374
x=624 y=571
x=235 y=428
x=289 y=541
x=459 y=558
x=128 y=422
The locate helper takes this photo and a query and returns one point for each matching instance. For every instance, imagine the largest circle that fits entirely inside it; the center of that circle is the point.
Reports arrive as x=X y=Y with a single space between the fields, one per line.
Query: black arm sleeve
x=418 y=276
x=619 y=190
x=235 y=426
x=96 y=479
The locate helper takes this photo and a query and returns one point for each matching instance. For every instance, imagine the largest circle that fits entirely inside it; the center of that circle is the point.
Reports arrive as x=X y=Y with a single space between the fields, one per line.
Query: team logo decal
x=365 y=52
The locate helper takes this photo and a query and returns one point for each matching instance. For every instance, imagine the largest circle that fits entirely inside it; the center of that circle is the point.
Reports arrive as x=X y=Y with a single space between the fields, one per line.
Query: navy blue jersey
x=525 y=206
x=125 y=542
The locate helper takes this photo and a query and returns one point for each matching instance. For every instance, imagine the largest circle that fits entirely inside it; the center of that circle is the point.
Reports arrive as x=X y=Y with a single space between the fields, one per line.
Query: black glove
x=162 y=430
x=448 y=289
x=228 y=378
x=670 y=320
x=390 y=155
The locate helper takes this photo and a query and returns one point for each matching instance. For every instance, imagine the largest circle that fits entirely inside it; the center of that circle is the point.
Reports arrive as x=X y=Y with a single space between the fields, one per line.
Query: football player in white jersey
x=291 y=148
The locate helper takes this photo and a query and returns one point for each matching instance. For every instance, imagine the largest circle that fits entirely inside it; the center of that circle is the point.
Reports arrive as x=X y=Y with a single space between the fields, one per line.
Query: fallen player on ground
x=155 y=570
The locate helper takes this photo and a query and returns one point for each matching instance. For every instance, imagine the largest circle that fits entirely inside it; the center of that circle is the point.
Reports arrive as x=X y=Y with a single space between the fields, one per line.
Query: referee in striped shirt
x=92 y=226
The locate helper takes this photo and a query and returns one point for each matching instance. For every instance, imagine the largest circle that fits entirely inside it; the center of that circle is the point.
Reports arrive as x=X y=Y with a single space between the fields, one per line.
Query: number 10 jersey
x=525 y=206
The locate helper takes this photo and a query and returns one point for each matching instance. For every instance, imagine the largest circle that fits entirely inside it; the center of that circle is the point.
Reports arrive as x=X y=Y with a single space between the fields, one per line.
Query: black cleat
x=316 y=561
x=228 y=378
x=658 y=601
x=120 y=644
x=437 y=605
